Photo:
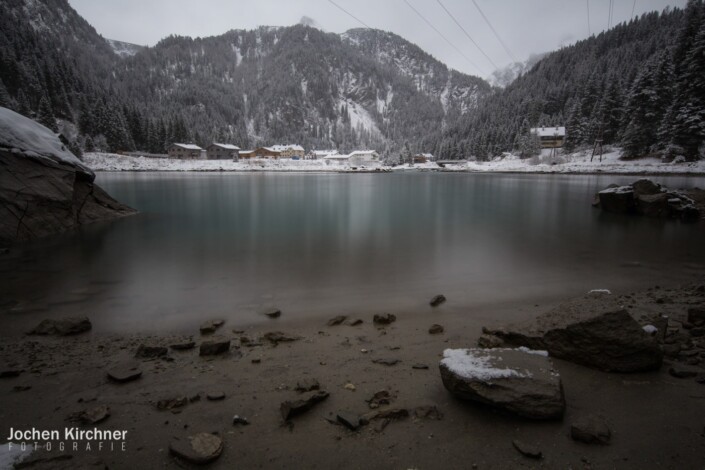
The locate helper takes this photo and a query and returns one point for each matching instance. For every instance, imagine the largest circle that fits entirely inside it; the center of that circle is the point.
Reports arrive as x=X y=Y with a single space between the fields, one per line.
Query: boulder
x=307 y=385
x=591 y=430
x=93 y=415
x=435 y=329
x=527 y=450
x=337 y=320
x=653 y=205
x=215 y=347
x=595 y=332
x=126 y=372
x=644 y=187
x=198 y=449
x=384 y=319
x=62 y=327
x=520 y=381
x=619 y=200
x=291 y=408
x=272 y=312
x=437 y=300
x=44 y=188
x=150 y=352
x=209 y=327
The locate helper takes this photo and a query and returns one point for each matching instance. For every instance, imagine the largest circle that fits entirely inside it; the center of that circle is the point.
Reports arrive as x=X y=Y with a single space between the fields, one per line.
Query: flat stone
x=519 y=381
x=349 y=420
x=149 y=352
x=384 y=319
x=386 y=361
x=172 y=403
x=419 y=366
x=276 y=337
x=382 y=397
x=214 y=348
x=125 y=372
x=199 y=449
x=62 y=327
x=208 y=327
x=435 y=329
x=307 y=385
x=591 y=430
x=183 y=346
x=356 y=322
x=527 y=450
x=337 y=320
x=237 y=419
x=272 y=312
x=215 y=396
x=428 y=412
x=437 y=300
x=292 y=408
x=95 y=415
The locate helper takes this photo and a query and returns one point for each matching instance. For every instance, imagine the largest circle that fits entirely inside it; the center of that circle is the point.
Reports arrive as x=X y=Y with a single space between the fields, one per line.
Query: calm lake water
x=317 y=245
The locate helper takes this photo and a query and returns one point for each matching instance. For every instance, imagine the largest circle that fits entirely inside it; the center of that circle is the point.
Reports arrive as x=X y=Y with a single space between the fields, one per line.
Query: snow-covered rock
x=44 y=188
x=521 y=381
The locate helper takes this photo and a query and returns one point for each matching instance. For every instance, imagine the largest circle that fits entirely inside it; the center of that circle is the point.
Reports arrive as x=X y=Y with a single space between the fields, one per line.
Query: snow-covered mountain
x=506 y=75
x=124 y=49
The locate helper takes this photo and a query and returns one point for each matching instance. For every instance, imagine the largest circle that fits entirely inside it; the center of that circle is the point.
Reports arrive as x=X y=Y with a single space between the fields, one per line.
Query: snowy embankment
x=574 y=163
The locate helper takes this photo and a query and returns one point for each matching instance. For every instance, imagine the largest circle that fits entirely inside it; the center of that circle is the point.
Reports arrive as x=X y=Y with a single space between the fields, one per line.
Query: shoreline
x=257 y=375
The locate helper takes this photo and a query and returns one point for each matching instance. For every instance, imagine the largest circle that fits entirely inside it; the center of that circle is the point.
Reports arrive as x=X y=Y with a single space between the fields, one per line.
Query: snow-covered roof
x=281 y=148
x=33 y=139
x=226 y=146
x=246 y=151
x=321 y=153
x=548 y=131
x=188 y=146
x=336 y=156
x=362 y=153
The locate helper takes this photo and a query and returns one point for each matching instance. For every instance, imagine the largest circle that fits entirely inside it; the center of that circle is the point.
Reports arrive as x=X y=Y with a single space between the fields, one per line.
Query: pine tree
x=45 y=115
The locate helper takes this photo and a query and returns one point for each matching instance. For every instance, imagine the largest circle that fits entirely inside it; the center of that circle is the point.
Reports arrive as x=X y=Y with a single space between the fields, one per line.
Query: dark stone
x=356 y=322
x=419 y=366
x=349 y=420
x=435 y=329
x=199 y=449
x=489 y=341
x=384 y=319
x=125 y=373
x=690 y=214
x=392 y=414
x=527 y=450
x=9 y=373
x=382 y=397
x=646 y=187
x=522 y=382
x=307 y=385
x=291 y=408
x=386 y=361
x=276 y=337
x=213 y=348
x=149 y=352
x=591 y=430
x=62 y=327
x=209 y=327
x=618 y=200
x=41 y=197
x=215 y=396
x=237 y=419
x=428 y=412
x=21 y=388
x=598 y=337
x=172 y=403
x=653 y=205
x=437 y=300
x=681 y=372
x=92 y=416
x=337 y=320
x=272 y=312
x=183 y=346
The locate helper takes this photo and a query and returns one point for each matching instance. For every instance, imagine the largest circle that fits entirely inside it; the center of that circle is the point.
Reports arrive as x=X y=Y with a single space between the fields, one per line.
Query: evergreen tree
x=45 y=115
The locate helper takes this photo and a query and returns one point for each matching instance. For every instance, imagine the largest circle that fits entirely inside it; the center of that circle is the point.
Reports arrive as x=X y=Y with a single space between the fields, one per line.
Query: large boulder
x=44 y=188
x=619 y=200
x=594 y=332
x=62 y=327
x=521 y=381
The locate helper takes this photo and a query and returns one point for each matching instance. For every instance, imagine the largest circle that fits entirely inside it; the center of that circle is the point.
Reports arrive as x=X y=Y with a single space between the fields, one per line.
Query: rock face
x=603 y=336
x=520 y=381
x=62 y=327
x=644 y=197
x=44 y=188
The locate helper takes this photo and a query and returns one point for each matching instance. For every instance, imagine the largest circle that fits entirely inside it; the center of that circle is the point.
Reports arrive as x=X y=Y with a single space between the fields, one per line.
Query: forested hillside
x=640 y=85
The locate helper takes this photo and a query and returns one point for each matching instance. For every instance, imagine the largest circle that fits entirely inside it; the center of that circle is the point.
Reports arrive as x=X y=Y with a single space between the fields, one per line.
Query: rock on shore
x=44 y=188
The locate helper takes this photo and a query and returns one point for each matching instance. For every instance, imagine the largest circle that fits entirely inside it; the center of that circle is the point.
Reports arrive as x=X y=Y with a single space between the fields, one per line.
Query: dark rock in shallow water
x=44 y=189
x=598 y=334
x=384 y=319
x=209 y=327
x=272 y=312
x=291 y=408
x=149 y=352
x=591 y=430
x=237 y=419
x=382 y=397
x=349 y=420
x=336 y=320
x=386 y=361
x=520 y=381
x=92 y=416
x=62 y=327
x=276 y=337
x=199 y=449
x=213 y=348
x=436 y=329
x=215 y=396
x=183 y=346
x=619 y=200
x=437 y=300
x=125 y=372
x=9 y=373
x=527 y=450
x=307 y=385
x=172 y=403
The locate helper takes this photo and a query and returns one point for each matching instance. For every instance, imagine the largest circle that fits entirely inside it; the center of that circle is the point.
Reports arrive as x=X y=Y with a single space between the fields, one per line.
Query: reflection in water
x=226 y=245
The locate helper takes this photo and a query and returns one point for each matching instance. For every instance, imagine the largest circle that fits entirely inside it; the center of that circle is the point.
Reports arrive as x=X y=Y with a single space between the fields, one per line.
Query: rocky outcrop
x=600 y=334
x=44 y=189
x=644 y=197
x=62 y=327
x=521 y=381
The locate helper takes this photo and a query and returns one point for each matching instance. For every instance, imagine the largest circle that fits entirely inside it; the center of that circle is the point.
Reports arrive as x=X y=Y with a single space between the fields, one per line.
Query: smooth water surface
x=316 y=245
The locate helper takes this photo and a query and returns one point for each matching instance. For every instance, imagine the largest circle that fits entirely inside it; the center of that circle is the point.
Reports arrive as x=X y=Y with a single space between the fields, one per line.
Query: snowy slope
x=124 y=49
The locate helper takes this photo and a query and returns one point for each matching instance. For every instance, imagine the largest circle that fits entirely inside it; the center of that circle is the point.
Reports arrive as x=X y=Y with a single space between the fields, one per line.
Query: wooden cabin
x=216 y=151
x=184 y=151
x=550 y=137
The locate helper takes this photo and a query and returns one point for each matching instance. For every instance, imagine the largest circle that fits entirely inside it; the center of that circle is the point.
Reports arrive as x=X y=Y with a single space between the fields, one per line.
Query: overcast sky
x=525 y=26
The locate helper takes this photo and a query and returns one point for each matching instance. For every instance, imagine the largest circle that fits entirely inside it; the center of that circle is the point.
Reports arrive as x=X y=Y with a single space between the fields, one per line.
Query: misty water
x=209 y=245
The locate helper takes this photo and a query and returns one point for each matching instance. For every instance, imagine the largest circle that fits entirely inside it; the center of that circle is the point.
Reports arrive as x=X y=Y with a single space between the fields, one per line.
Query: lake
x=317 y=245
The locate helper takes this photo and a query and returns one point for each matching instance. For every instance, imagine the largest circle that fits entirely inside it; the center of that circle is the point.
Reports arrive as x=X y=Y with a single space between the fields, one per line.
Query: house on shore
x=550 y=137
x=319 y=154
x=260 y=152
x=356 y=158
x=216 y=151
x=184 y=151
x=289 y=151
x=423 y=158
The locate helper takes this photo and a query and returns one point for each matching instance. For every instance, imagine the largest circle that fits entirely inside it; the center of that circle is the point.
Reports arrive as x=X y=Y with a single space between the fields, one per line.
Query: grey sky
x=525 y=26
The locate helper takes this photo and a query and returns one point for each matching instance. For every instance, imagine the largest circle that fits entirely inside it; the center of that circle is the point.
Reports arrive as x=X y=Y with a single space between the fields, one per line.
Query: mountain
x=639 y=85
x=269 y=85
x=506 y=75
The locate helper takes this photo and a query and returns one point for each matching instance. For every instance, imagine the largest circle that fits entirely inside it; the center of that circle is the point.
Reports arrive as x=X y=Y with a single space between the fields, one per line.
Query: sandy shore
x=656 y=419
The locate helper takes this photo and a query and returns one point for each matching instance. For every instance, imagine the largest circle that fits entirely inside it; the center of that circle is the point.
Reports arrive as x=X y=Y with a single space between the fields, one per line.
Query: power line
x=588 y=17
x=351 y=15
x=445 y=38
x=633 y=7
x=506 y=49
x=609 y=14
x=468 y=35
